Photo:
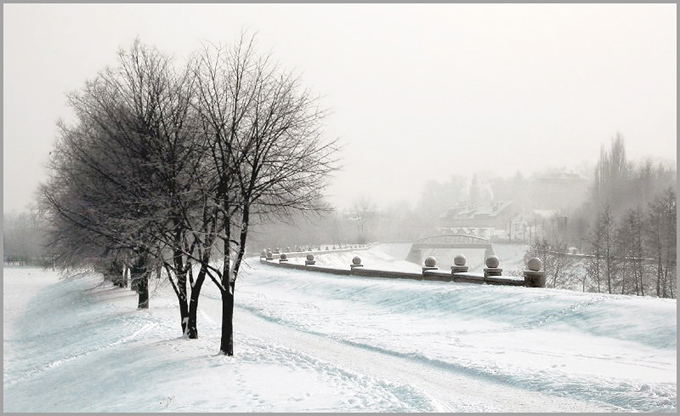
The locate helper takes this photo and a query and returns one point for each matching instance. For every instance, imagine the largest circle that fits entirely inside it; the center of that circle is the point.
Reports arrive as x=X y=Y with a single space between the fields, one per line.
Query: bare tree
x=557 y=264
x=172 y=167
x=267 y=152
x=628 y=247
x=125 y=170
x=364 y=211
x=661 y=241
x=602 y=247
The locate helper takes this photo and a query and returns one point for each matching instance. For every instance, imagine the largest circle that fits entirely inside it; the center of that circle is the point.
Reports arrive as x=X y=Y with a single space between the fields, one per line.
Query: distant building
x=520 y=228
x=496 y=216
x=557 y=190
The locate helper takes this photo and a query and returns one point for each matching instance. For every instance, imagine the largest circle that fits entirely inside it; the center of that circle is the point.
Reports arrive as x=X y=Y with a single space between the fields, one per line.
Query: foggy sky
x=417 y=92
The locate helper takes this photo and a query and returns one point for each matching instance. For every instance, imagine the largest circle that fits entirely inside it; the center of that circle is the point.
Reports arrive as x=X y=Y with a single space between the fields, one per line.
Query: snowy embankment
x=306 y=341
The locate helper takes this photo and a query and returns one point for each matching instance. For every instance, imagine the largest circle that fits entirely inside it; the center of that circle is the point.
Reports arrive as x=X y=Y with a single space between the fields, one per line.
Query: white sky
x=418 y=92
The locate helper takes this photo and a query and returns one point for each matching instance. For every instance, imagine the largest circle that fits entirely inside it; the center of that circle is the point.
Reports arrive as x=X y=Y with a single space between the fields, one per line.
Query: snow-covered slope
x=315 y=342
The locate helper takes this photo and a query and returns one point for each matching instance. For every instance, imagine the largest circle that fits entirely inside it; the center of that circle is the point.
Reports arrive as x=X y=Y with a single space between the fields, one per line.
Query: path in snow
x=81 y=346
x=315 y=342
x=617 y=352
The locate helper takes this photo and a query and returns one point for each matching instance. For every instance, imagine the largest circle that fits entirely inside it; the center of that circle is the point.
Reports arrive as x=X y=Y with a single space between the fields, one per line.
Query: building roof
x=486 y=211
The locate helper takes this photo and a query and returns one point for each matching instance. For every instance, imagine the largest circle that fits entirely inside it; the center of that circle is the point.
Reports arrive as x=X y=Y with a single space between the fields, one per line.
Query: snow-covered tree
x=267 y=152
x=172 y=166
x=121 y=173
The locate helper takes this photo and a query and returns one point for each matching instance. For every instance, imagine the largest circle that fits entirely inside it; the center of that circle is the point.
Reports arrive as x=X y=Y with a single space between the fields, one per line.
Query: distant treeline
x=23 y=236
x=629 y=235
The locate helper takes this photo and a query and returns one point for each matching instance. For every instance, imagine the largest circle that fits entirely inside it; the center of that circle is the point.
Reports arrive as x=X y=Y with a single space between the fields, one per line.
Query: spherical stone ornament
x=459 y=260
x=356 y=260
x=492 y=262
x=283 y=256
x=430 y=262
x=310 y=257
x=534 y=264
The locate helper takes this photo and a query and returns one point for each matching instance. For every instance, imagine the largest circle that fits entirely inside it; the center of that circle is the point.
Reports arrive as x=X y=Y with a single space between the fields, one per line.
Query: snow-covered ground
x=306 y=341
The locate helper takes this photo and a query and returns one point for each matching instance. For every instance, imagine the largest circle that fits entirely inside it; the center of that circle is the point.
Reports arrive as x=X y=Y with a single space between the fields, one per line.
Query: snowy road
x=311 y=342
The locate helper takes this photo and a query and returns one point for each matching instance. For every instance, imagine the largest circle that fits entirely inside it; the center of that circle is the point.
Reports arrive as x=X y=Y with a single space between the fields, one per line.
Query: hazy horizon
x=416 y=93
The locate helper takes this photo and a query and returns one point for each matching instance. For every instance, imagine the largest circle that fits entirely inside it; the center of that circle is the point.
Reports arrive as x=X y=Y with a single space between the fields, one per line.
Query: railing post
x=430 y=264
x=459 y=265
x=533 y=277
x=492 y=269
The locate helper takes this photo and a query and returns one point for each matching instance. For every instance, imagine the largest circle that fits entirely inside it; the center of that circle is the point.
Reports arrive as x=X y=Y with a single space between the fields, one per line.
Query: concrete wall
x=433 y=275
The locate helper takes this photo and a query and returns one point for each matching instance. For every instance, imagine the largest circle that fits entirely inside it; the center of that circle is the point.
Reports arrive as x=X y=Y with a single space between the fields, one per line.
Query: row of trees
x=630 y=241
x=636 y=254
x=167 y=166
x=23 y=238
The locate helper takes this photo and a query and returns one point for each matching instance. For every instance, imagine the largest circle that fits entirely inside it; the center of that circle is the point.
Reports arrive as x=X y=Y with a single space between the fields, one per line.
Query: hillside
x=311 y=342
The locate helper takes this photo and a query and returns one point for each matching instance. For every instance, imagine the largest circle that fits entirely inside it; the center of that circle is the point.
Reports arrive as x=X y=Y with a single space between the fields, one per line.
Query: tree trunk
x=642 y=279
x=139 y=275
x=665 y=283
x=671 y=294
x=227 y=340
x=192 y=327
x=597 y=270
x=126 y=270
x=184 y=316
x=182 y=298
x=143 y=291
x=658 y=277
x=608 y=264
x=181 y=269
x=623 y=271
